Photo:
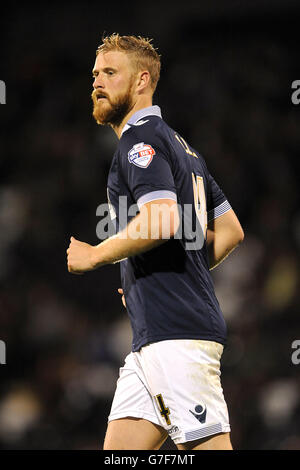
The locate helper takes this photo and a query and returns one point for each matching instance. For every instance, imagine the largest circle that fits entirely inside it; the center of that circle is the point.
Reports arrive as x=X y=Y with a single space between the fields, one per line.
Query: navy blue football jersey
x=168 y=290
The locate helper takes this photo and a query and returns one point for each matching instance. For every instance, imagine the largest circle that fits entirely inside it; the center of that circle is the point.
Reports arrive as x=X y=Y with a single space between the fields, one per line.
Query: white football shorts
x=175 y=384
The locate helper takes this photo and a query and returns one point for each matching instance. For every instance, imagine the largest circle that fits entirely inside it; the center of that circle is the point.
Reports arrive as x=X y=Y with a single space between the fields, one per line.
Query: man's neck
x=140 y=104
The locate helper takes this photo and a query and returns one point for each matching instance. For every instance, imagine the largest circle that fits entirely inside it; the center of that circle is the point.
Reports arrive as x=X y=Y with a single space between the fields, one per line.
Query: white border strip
x=154 y=195
x=203 y=432
x=219 y=210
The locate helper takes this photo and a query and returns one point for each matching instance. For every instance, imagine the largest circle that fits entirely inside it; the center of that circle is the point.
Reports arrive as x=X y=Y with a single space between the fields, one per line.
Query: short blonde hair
x=144 y=55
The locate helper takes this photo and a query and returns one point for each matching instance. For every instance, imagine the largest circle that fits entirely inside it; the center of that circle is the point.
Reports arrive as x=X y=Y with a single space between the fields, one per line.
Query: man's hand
x=123 y=297
x=80 y=257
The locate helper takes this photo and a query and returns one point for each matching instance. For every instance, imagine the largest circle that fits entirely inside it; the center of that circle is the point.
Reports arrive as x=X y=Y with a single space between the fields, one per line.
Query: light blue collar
x=141 y=113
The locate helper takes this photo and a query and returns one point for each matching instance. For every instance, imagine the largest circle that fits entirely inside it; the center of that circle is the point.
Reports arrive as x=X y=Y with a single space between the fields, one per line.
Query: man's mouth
x=101 y=97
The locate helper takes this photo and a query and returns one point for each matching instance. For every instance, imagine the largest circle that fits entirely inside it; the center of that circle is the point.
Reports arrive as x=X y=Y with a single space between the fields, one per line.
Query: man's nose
x=98 y=82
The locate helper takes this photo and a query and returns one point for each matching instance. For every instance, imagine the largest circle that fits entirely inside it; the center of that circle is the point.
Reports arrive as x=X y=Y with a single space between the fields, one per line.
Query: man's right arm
x=224 y=234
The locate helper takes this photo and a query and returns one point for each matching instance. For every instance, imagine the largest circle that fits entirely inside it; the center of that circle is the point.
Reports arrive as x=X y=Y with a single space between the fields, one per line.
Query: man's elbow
x=239 y=236
x=242 y=236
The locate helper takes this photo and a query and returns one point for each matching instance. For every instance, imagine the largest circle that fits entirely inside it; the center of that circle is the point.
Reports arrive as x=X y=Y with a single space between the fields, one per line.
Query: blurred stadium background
x=227 y=69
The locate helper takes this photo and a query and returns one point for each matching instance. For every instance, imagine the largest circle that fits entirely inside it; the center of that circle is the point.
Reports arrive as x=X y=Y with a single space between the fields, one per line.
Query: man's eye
x=110 y=72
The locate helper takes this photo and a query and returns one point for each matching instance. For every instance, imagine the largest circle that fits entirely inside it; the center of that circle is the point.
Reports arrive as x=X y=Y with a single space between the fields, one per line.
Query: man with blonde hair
x=184 y=227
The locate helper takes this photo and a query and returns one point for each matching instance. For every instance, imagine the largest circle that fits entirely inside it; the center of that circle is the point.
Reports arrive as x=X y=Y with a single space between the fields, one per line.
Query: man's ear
x=144 y=80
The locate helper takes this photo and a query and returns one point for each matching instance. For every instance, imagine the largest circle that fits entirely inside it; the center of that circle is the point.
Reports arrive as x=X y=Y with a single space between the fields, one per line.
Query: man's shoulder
x=149 y=129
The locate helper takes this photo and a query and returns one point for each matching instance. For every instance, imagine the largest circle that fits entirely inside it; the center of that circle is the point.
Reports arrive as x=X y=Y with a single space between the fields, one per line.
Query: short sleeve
x=217 y=202
x=146 y=169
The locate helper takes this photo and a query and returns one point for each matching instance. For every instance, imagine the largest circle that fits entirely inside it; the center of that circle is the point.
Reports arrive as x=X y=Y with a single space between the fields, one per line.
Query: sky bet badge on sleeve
x=141 y=155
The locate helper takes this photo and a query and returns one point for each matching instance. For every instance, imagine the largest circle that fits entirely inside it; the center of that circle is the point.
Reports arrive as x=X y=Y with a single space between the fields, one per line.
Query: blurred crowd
x=228 y=92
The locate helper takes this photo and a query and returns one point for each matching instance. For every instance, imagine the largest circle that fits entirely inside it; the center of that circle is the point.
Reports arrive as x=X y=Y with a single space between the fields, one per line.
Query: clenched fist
x=80 y=257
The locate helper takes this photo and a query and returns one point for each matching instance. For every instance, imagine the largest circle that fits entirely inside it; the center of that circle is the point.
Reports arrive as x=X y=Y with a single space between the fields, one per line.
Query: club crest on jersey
x=141 y=155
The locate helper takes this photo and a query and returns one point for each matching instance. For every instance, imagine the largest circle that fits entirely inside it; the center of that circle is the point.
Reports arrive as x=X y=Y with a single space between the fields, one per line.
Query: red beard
x=112 y=113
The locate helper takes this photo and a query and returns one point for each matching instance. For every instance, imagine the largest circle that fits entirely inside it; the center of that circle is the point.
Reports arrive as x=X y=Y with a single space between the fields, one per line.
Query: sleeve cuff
x=154 y=195
x=218 y=211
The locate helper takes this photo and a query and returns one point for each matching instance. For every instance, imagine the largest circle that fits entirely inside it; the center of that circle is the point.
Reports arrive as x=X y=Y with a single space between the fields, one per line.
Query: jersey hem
x=156 y=339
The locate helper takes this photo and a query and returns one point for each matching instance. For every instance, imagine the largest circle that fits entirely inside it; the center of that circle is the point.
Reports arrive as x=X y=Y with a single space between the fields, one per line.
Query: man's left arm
x=157 y=221
x=224 y=234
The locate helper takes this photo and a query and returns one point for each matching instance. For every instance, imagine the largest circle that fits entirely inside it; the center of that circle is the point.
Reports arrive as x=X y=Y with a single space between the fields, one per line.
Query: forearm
x=224 y=234
x=155 y=224
x=219 y=246
x=140 y=235
x=117 y=248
